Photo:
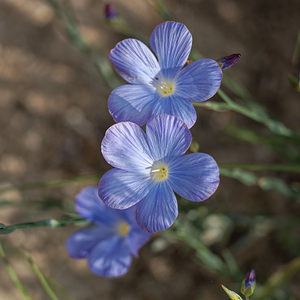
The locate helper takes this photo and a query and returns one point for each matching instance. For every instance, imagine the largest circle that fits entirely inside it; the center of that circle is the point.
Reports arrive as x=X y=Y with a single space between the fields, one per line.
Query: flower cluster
x=137 y=196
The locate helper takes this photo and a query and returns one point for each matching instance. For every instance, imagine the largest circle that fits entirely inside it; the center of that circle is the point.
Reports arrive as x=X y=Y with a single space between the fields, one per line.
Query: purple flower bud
x=110 y=12
x=228 y=61
x=250 y=279
x=248 y=284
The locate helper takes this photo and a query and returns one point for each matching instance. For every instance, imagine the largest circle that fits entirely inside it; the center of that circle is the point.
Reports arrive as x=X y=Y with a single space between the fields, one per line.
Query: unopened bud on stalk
x=248 y=284
x=228 y=61
x=110 y=12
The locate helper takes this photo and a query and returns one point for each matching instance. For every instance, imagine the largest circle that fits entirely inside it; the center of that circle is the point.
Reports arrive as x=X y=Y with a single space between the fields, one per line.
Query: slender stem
x=13 y=275
x=259 y=115
x=294 y=168
x=50 y=183
x=74 y=35
x=40 y=276
x=50 y=223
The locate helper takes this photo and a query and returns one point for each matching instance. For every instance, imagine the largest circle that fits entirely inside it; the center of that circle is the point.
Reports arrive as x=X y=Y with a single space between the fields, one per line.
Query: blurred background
x=53 y=116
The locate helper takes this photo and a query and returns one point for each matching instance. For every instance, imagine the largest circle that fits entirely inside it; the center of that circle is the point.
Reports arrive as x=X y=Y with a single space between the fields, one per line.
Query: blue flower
x=161 y=85
x=149 y=167
x=109 y=244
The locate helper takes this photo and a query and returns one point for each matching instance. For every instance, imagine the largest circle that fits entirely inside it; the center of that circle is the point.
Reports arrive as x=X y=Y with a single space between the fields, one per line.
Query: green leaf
x=232 y=295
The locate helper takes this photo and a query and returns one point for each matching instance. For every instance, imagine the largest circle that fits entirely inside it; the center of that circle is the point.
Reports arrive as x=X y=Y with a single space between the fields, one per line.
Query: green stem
x=259 y=115
x=50 y=223
x=74 y=35
x=50 y=183
x=294 y=168
x=40 y=276
x=13 y=275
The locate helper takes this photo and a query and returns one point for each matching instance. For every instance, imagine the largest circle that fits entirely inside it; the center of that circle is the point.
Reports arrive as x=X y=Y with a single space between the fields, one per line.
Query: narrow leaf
x=232 y=295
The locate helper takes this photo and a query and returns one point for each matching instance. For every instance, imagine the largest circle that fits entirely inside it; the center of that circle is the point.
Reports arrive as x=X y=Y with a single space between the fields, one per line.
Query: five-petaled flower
x=161 y=85
x=149 y=167
x=110 y=242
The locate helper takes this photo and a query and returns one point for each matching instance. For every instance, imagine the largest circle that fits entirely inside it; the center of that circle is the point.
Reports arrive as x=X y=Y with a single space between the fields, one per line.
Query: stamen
x=123 y=228
x=165 y=88
x=159 y=172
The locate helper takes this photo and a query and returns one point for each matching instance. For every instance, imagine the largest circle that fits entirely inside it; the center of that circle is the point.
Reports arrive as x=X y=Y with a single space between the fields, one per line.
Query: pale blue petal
x=110 y=258
x=121 y=189
x=172 y=43
x=137 y=238
x=199 y=81
x=134 y=61
x=176 y=106
x=124 y=146
x=159 y=210
x=194 y=177
x=90 y=207
x=81 y=242
x=167 y=136
x=132 y=102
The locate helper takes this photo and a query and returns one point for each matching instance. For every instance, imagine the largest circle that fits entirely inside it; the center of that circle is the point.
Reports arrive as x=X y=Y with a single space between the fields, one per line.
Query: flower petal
x=90 y=207
x=134 y=61
x=176 y=106
x=110 y=258
x=200 y=80
x=137 y=238
x=120 y=189
x=80 y=243
x=124 y=146
x=159 y=210
x=167 y=136
x=132 y=102
x=172 y=43
x=194 y=177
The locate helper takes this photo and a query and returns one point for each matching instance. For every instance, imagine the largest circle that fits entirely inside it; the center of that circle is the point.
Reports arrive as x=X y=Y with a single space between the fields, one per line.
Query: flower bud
x=248 y=284
x=110 y=12
x=228 y=61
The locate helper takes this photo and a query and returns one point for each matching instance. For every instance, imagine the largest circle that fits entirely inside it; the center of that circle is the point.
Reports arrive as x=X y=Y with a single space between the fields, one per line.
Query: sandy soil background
x=53 y=115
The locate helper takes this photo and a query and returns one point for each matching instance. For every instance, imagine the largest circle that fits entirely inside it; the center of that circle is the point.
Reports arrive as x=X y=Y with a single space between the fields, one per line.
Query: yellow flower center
x=165 y=88
x=123 y=228
x=159 y=172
